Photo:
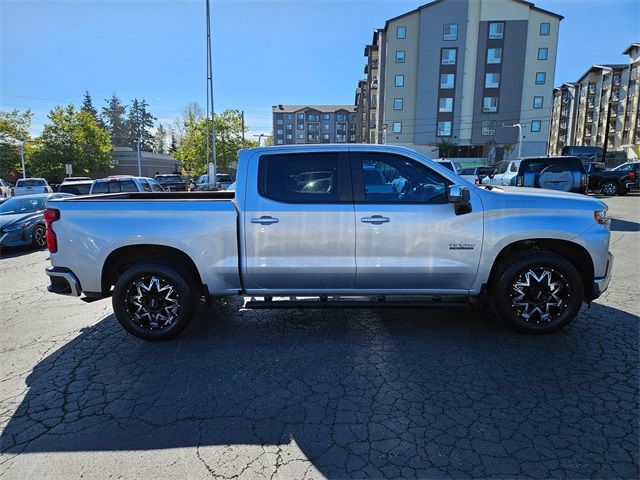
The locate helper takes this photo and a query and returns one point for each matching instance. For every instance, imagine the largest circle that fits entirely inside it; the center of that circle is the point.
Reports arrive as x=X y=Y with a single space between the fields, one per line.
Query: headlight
x=15 y=228
x=601 y=216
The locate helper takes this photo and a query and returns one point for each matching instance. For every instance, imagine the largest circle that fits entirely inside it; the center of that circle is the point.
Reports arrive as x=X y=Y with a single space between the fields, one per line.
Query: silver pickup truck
x=333 y=226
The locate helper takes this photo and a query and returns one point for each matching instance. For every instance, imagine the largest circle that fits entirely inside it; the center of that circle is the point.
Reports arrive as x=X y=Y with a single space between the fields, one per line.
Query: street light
x=13 y=141
x=139 y=157
x=519 y=137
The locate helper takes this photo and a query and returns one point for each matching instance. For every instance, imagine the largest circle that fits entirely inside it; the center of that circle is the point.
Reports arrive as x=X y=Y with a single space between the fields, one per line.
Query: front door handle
x=375 y=219
x=265 y=220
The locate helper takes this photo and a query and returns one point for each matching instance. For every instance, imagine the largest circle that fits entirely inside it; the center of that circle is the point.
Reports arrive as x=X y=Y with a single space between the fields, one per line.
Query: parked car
x=22 y=222
x=566 y=174
x=123 y=183
x=29 y=186
x=634 y=172
x=611 y=182
x=449 y=164
x=439 y=236
x=475 y=174
x=223 y=180
x=75 y=179
x=78 y=187
x=5 y=189
x=172 y=182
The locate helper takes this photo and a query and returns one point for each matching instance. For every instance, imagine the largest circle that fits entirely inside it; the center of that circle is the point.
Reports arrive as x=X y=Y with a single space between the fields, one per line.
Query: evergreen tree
x=160 y=139
x=113 y=117
x=87 y=106
x=139 y=123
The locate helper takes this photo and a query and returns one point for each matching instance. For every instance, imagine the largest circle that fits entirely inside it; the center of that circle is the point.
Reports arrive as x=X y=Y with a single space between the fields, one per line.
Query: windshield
x=224 y=178
x=22 y=205
x=537 y=165
x=169 y=179
x=30 y=183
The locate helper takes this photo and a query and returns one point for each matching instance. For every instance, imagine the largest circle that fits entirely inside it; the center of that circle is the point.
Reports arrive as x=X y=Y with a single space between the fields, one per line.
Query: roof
x=593 y=68
x=631 y=47
x=435 y=2
x=319 y=108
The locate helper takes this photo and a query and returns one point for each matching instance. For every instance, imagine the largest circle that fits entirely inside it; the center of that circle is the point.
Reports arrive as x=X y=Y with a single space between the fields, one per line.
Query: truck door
x=408 y=237
x=299 y=232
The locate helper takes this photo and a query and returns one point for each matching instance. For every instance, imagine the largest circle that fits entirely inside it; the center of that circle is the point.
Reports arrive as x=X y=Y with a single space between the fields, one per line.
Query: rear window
x=280 y=179
x=79 y=189
x=448 y=165
x=115 y=186
x=31 y=183
x=224 y=178
x=536 y=165
x=169 y=179
x=467 y=171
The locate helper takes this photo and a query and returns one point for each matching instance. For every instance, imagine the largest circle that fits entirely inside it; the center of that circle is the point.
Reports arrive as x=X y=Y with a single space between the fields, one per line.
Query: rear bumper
x=602 y=283
x=63 y=281
x=631 y=186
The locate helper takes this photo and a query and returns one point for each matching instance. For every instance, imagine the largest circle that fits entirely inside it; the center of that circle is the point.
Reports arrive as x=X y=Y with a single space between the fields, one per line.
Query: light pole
x=519 y=137
x=13 y=141
x=139 y=159
x=384 y=133
x=259 y=138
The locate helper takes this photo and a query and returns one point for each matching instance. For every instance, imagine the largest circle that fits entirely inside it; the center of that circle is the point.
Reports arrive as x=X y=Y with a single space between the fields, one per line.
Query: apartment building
x=601 y=109
x=296 y=124
x=464 y=71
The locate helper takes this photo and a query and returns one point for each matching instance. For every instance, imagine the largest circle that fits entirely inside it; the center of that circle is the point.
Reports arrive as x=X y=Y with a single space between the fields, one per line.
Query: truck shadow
x=362 y=393
x=618 y=225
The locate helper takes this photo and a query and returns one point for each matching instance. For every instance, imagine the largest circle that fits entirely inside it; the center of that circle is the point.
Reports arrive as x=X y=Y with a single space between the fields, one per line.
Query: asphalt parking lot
x=309 y=394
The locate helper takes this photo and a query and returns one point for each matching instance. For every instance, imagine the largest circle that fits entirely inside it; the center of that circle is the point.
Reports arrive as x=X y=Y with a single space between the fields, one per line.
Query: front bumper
x=63 y=281
x=602 y=283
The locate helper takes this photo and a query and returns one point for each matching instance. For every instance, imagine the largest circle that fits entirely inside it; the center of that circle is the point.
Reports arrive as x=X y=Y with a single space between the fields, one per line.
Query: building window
x=541 y=78
x=289 y=126
x=543 y=53
x=280 y=141
x=496 y=30
x=536 y=125
x=450 y=31
x=448 y=56
x=326 y=116
x=279 y=131
x=401 y=32
x=341 y=117
x=445 y=105
x=444 y=129
x=494 y=55
x=398 y=103
x=492 y=80
x=279 y=121
x=447 y=80
x=325 y=136
x=400 y=56
x=301 y=136
x=313 y=117
x=301 y=117
x=300 y=126
x=490 y=104
x=289 y=116
x=399 y=81
x=545 y=29
x=538 y=102
x=488 y=128
x=289 y=136
x=326 y=126
x=397 y=127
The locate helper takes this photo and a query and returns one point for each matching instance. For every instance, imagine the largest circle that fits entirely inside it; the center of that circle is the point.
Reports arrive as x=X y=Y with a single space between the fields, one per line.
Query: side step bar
x=357 y=302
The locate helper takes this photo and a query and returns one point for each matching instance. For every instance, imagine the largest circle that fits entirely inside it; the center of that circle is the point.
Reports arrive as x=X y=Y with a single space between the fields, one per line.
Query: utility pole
x=259 y=138
x=24 y=172
x=244 y=145
x=211 y=136
x=138 y=141
x=13 y=141
x=606 y=124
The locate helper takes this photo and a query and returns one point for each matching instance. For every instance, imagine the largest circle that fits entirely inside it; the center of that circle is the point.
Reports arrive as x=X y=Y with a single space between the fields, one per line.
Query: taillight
x=186 y=188
x=632 y=175
x=519 y=181
x=219 y=186
x=50 y=216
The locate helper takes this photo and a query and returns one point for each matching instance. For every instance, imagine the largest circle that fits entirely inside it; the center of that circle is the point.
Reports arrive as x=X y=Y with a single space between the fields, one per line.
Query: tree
x=113 y=117
x=14 y=124
x=445 y=147
x=173 y=146
x=87 y=106
x=139 y=123
x=71 y=137
x=160 y=139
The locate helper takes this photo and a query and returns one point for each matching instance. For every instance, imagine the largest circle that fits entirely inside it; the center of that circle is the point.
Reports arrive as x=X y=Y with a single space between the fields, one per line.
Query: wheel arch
x=576 y=254
x=119 y=259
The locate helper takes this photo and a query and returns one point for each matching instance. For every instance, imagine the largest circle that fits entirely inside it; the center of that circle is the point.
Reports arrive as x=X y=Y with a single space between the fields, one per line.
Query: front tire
x=538 y=292
x=154 y=301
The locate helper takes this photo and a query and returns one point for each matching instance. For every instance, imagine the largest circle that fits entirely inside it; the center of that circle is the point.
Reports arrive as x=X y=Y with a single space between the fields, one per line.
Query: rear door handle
x=375 y=219
x=265 y=220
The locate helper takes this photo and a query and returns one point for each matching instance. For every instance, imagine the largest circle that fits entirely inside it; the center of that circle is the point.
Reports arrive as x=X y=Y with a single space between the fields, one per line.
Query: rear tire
x=154 y=301
x=537 y=292
x=39 y=236
x=609 y=188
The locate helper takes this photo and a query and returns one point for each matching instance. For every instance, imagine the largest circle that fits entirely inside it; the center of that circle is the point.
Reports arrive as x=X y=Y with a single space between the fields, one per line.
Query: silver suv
x=121 y=183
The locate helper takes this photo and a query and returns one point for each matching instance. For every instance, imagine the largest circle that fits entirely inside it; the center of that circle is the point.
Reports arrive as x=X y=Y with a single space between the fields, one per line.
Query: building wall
x=299 y=130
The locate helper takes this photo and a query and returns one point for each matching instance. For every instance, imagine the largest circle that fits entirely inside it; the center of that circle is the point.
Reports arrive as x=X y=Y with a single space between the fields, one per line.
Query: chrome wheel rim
x=39 y=236
x=609 y=189
x=153 y=302
x=539 y=295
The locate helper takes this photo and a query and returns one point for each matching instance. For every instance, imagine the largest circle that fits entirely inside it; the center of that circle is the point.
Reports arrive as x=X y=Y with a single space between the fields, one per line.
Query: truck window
x=145 y=185
x=501 y=167
x=299 y=178
x=403 y=180
x=100 y=187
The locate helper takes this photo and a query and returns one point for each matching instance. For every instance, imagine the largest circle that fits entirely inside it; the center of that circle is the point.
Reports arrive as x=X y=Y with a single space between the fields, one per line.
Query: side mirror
x=460 y=196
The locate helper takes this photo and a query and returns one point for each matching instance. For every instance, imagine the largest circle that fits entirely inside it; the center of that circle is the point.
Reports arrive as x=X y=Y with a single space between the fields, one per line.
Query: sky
x=264 y=52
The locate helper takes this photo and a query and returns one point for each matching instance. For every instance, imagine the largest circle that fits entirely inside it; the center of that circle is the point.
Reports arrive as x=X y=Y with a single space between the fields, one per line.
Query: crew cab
x=30 y=186
x=335 y=238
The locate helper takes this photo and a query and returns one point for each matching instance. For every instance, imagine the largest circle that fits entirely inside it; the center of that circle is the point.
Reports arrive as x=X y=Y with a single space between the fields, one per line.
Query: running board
x=372 y=302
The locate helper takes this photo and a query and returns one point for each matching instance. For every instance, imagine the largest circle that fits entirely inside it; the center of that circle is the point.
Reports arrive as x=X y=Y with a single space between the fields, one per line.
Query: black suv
x=566 y=174
x=613 y=182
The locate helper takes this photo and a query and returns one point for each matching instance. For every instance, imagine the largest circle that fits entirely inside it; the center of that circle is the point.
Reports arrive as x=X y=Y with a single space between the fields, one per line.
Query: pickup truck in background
x=610 y=182
x=424 y=237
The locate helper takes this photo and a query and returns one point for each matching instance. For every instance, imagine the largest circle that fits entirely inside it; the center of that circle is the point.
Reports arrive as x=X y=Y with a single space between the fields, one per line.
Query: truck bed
x=221 y=195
